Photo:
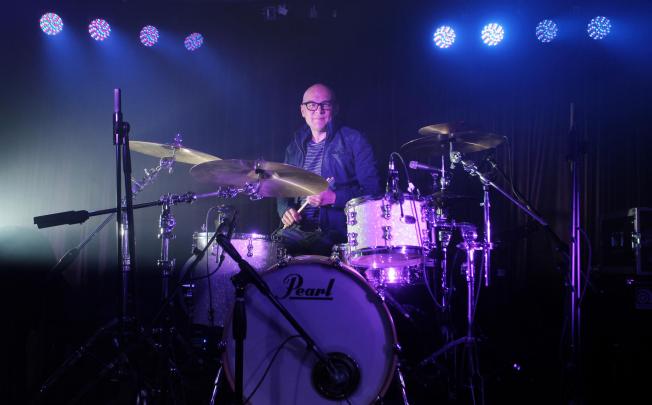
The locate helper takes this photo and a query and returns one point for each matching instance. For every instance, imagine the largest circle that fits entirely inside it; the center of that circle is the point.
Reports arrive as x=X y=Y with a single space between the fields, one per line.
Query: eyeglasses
x=314 y=106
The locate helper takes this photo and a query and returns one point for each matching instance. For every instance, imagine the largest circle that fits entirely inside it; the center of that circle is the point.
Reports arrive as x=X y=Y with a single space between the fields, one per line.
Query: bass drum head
x=338 y=309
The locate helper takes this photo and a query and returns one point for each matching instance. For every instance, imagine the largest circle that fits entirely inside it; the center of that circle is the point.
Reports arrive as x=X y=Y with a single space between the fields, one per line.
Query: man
x=331 y=151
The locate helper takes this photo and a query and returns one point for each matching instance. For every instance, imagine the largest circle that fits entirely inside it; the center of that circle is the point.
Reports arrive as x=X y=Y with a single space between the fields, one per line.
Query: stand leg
x=239 y=334
x=216 y=385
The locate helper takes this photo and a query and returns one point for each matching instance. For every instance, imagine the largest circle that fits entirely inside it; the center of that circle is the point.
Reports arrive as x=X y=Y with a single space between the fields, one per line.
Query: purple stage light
x=51 y=23
x=193 y=41
x=149 y=35
x=99 y=29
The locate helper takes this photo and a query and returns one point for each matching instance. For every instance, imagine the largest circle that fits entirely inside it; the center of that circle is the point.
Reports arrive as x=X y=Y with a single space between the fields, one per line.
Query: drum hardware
x=125 y=326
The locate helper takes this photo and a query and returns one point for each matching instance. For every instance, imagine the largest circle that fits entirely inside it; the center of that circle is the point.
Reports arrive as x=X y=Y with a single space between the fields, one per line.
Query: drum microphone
x=420 y=166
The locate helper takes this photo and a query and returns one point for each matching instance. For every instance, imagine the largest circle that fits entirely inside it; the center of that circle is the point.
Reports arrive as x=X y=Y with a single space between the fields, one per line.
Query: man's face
x=318 y=97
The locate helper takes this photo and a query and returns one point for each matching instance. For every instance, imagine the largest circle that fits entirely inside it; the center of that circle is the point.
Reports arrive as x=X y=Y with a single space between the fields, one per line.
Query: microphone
x=390 y=175
x=420 y=166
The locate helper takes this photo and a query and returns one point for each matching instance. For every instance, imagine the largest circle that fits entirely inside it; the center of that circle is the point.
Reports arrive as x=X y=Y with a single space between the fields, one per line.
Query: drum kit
x=347 y=347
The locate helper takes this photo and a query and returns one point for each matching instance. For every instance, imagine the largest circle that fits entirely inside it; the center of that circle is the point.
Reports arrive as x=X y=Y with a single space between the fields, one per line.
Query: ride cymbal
x=276 y=179
x=463 y=142
x=161 y=150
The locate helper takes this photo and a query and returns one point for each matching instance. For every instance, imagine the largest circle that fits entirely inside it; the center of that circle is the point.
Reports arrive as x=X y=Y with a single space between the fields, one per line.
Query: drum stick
x=305 y=203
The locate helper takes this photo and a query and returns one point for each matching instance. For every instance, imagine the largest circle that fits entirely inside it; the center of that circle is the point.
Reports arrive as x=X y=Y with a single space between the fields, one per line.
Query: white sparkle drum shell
x=338 y=309
x=382 y=233
x=201 y=294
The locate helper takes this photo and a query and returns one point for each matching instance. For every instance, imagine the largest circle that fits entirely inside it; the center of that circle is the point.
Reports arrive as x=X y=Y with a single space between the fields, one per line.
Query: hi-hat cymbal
x=161 y=150
x=276 y=179
x=463 y=142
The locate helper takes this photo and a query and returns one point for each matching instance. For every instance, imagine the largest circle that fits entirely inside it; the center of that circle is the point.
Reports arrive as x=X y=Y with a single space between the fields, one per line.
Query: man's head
x=318 y=107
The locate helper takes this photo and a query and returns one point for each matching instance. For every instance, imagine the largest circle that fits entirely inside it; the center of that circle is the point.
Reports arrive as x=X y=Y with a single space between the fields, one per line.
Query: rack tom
x=384 y=233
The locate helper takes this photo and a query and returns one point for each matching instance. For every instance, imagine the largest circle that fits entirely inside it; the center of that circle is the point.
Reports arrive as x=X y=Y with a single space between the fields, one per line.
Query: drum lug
x=386 y=210
x=250 y=247
x=353 y=238
x=351 y=218
x=387 y=232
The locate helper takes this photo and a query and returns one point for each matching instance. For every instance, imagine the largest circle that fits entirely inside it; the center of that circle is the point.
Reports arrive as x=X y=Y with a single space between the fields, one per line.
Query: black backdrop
x=237 y=98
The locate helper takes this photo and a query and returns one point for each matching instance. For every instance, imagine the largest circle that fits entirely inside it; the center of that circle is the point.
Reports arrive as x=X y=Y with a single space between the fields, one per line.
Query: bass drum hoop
x=360 y=280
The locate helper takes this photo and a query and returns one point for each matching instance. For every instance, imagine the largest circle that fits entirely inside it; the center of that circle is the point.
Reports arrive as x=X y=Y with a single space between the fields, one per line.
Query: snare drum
x=201 y=293
x=382 y=233
x=338 y=309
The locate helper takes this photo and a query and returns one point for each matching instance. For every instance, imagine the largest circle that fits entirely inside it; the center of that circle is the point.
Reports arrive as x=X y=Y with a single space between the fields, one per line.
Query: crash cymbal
x=161 y=150
x=463 y=142
x=445 y=128
x=276 y=179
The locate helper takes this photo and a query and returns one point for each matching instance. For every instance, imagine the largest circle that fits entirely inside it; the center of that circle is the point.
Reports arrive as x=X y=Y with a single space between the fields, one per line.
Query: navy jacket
x=349 y=159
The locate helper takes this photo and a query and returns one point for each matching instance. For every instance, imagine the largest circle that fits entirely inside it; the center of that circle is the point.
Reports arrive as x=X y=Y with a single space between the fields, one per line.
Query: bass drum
x=204 y=294
x=338 y=309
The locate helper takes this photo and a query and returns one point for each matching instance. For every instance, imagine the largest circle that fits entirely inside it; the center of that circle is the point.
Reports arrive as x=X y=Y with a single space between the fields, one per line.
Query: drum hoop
x=367 y=198
x=237 y=236
x=359 y=278
x=370 y=251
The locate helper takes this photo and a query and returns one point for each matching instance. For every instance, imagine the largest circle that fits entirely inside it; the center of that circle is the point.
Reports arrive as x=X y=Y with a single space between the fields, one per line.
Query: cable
x=269 y=366
x=424 y=272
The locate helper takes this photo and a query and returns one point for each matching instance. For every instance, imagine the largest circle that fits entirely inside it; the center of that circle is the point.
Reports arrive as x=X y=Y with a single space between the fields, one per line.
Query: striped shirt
x=312 y=163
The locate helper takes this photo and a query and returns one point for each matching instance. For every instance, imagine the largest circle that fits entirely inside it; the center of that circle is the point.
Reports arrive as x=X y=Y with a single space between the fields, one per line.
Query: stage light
x=149 y=35
x=99 y=29
x=51 y=23
x=492 y=34
x=444 y=37
x=193 y=41
x=546 y=31
x=599 y=27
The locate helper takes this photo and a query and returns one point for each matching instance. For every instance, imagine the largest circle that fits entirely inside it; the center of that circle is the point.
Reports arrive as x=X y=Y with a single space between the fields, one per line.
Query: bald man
x=329 y=150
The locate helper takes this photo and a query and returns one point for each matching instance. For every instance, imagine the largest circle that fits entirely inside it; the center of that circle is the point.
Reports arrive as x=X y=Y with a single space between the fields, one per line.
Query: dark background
x=237 y=98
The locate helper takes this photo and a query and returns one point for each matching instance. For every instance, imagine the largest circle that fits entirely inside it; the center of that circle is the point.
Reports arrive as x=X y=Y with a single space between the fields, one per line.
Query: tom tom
x=209 y=294
x=383 y=233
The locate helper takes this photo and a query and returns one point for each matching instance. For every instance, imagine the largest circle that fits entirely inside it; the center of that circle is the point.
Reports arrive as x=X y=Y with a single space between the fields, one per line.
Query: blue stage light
x=51 y=23
x=193 y=41
x=99 y=29
x=599 y=27
x=546 y=31
x=149 y=35
x=492 y=34
x=444 y=36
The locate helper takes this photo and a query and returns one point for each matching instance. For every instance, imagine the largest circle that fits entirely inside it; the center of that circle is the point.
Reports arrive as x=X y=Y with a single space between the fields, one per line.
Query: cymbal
x=445 y=128
x=276 y=179
x=181 y=154
x=463 y=142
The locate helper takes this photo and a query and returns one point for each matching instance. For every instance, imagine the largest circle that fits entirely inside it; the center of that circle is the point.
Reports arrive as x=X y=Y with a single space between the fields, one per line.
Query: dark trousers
x=298 y=241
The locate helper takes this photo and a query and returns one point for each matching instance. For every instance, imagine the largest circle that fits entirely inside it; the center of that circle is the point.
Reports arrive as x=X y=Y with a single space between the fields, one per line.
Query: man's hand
x=326 y=197
x=290 y=217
